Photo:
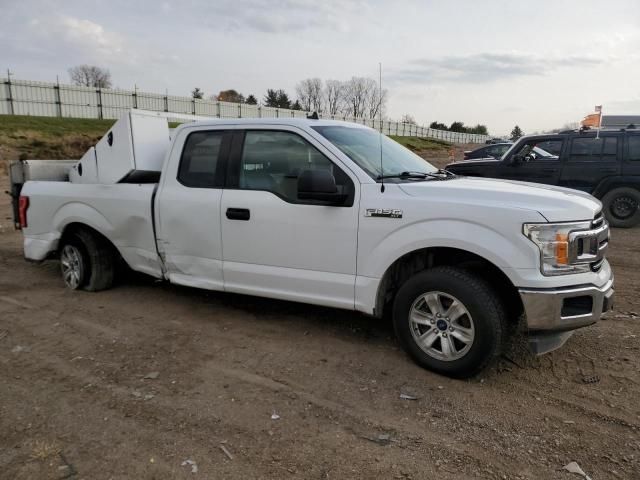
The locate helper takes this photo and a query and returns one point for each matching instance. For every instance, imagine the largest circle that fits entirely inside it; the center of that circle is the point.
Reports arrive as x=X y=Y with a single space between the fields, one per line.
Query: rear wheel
x=449 y=321
x=622 y=207
x=87 y=261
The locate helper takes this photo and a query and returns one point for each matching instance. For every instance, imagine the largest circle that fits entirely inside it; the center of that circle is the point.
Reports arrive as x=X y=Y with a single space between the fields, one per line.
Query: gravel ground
x=150 y=380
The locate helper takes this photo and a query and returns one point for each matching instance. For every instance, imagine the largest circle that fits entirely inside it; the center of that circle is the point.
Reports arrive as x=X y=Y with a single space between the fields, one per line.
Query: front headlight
x=553 y=241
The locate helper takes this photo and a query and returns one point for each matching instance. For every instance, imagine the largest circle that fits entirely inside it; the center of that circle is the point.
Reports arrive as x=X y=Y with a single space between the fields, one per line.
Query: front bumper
x=552 y=313
x=565 y=309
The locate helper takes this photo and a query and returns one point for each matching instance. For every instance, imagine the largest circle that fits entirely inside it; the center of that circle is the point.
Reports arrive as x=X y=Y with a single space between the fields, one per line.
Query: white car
x=326 y=213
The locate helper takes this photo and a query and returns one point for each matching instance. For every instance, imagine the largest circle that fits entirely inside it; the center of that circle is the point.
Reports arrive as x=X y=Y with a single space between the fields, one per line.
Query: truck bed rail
x=23 y=171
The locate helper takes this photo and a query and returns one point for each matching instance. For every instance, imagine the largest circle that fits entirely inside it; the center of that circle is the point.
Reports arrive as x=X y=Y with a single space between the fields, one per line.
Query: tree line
x=358 y=97
x=460 y=127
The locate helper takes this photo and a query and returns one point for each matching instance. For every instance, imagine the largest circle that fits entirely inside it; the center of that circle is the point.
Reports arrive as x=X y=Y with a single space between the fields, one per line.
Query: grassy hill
x=25 y=137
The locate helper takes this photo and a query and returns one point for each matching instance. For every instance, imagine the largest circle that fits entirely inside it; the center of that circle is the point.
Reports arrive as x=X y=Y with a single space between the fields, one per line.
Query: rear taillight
x=23 y=205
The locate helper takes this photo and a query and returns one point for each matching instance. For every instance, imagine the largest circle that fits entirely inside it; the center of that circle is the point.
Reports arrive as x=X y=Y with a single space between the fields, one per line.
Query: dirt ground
x=154 y=381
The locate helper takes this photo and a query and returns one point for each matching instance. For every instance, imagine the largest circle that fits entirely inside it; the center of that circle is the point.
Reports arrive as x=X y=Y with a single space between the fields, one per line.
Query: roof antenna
x=380 y=120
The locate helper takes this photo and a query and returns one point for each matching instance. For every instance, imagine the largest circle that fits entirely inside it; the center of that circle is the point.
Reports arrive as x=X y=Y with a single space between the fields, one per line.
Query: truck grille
x=590 y=246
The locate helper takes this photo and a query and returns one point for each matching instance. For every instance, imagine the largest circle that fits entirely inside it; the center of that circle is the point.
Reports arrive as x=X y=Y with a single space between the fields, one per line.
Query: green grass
x=419 y=144
x=52 y=126
x=26 y=137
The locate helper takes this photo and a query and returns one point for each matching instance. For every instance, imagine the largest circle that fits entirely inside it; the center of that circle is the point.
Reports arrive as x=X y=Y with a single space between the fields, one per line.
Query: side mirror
x=319 y=185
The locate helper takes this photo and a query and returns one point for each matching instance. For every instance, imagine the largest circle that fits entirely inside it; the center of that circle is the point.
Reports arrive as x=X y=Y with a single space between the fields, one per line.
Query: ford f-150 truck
x=327 y=213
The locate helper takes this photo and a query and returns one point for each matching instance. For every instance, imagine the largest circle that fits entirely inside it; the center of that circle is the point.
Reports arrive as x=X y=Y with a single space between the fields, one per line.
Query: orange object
x=592 y=120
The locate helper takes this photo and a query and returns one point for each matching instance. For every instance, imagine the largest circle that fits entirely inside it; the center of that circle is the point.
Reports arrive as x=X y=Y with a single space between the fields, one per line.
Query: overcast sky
x=497 y=62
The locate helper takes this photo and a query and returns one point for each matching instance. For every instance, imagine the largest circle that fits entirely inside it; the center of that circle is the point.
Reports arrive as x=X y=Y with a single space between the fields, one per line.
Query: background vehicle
x=605 y=165
x=496 y=151
x=299 y=210
x=494 y=140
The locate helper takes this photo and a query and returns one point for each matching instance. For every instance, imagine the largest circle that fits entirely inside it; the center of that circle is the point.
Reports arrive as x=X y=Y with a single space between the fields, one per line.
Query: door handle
x=238 y=214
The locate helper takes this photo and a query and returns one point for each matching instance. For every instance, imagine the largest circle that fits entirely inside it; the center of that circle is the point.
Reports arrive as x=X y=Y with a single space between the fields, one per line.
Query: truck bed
x=122 y=212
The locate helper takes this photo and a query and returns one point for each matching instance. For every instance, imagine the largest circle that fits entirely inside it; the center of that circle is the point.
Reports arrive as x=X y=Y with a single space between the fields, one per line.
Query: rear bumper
x=39 y=247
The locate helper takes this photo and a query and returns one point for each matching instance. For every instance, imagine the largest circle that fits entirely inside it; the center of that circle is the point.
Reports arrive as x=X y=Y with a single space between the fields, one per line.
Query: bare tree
x=406 y=118
x=376 y=100
x=334 y=96
x=356 y=95
x=90 y=76
x=310 y=94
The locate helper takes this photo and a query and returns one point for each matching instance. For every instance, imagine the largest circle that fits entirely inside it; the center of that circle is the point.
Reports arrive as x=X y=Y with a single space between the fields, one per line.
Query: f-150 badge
x=383 y=212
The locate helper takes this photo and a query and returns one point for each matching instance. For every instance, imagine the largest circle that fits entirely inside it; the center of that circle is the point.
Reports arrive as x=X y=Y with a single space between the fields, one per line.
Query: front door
x=537 y=160
x=276 y=245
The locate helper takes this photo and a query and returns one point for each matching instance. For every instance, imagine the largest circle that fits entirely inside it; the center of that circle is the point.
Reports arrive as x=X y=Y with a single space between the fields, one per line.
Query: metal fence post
x=56 y=91
x=11 y=109
x=239 y=110
x=135 y=96
x=218 y=112
x=100 y=113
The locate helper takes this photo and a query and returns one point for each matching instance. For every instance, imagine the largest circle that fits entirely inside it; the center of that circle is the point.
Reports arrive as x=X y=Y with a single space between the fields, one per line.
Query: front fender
x=505 y=252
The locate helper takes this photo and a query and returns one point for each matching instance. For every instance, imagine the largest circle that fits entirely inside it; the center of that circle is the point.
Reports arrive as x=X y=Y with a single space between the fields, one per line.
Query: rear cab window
x=633 y=153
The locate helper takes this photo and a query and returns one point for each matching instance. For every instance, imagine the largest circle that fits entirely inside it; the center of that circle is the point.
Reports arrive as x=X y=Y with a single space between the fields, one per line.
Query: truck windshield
x=362 y=145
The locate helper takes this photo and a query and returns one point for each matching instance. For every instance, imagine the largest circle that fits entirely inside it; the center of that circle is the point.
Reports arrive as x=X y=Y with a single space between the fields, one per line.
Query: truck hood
x=556 y=204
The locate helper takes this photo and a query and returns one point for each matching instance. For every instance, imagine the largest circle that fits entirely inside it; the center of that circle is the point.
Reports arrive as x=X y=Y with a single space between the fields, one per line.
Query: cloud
x=78 y=35
x=485 y=67
x=280 y=16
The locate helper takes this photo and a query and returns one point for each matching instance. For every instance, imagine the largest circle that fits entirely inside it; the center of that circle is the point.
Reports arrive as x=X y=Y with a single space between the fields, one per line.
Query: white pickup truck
x=326 y=213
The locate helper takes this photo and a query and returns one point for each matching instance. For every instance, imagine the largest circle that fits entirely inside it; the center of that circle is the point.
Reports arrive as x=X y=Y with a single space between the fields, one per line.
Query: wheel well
x=77 y=226
x=411 y=263
x=604 y=188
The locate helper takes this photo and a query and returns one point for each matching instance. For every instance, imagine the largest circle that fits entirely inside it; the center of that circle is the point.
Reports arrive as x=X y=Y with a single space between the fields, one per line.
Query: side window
x=634 y=148
x=591 y=149
x=273 y=161
x=610 y=149
x=536 y=150
x=499 y=151
x=200 y=158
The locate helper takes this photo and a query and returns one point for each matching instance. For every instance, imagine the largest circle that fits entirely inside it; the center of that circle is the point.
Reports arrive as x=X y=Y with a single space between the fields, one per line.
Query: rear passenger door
x=589 y=160
x=188 y=208
x=631 y=165
x=276 y=245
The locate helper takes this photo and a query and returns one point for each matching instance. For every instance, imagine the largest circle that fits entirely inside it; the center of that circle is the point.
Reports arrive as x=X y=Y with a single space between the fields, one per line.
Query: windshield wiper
x=445 y=172
x=440 y=175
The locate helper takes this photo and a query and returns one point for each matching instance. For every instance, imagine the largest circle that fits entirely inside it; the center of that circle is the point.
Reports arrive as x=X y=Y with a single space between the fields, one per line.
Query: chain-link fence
x=45 y=99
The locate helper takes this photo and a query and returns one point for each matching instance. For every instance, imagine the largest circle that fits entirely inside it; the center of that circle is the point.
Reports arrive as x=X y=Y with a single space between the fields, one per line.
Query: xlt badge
x=383 y=212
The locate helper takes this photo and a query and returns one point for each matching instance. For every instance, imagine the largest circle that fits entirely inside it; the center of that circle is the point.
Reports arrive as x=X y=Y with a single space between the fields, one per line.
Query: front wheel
x=449 y=321
x=622 y=207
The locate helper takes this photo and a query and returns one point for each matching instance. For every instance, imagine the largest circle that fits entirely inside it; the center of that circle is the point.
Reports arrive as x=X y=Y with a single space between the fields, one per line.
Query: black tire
x=621 y=207
x=485 y=312
x=96 y=266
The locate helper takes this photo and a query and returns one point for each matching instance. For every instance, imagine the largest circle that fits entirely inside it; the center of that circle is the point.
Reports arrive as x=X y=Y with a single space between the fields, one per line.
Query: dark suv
x=605 y=165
